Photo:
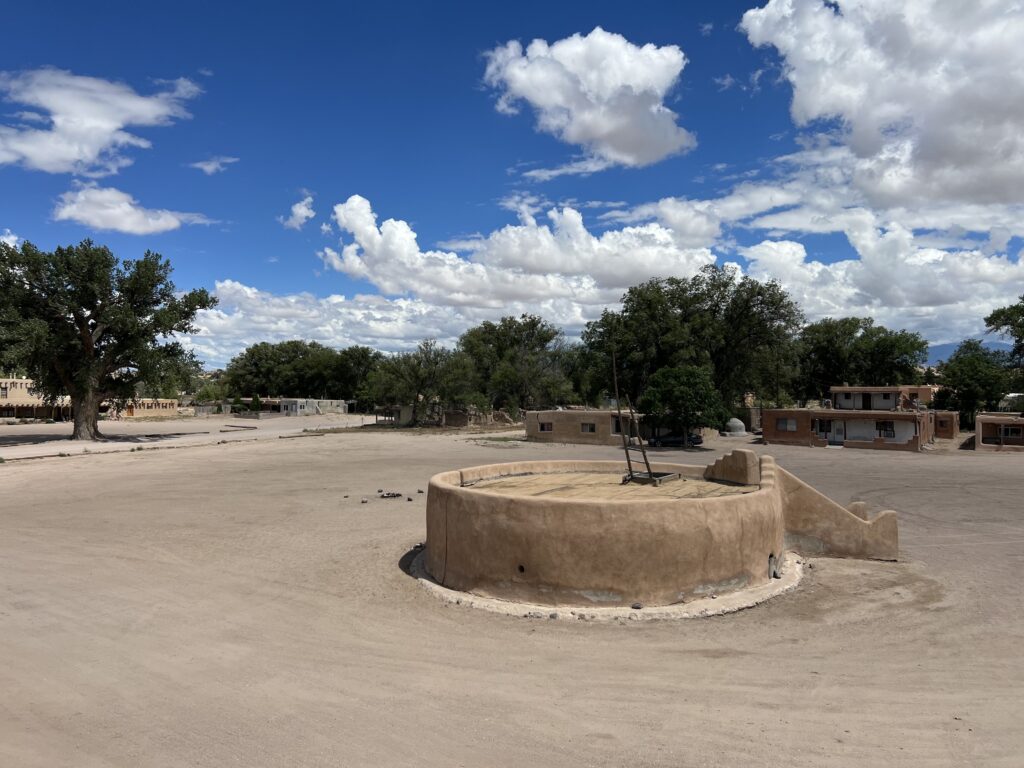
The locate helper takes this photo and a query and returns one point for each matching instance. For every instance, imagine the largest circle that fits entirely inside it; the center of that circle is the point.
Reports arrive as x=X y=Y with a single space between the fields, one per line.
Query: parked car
x=676 y=441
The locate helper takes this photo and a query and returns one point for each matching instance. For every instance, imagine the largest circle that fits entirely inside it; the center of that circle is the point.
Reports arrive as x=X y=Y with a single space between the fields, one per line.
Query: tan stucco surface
x=553 y=551
x=543 y=532
x=567 y=427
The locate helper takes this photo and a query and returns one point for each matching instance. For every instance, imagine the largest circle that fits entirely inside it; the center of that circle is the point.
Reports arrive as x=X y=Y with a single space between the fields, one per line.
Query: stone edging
x=792 y=571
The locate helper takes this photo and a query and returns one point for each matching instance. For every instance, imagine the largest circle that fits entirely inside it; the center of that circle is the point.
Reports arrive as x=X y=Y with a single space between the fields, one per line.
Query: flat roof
x=1000 y=417
x=603 y=486
x=848 y=414
x=893 y=388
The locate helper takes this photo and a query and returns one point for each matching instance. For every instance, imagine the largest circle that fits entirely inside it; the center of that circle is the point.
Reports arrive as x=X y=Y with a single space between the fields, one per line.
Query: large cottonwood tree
x=86 y=325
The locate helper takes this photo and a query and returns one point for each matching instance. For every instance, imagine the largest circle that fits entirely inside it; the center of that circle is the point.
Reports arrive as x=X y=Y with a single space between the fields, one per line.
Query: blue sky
x=828 y=148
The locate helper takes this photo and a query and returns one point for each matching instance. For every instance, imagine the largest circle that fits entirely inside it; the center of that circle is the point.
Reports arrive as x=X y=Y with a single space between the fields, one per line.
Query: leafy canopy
x=84 y=324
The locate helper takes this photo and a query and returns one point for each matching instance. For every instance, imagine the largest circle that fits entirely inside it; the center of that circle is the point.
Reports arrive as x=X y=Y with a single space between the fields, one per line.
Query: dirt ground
x=228 y=605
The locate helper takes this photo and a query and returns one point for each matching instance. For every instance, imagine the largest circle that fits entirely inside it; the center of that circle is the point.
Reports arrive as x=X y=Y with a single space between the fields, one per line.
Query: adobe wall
x=987 y=427
x=803 y=434
x=655 y=551
x=881 y=444
x=816 y=525
x=566 y=427
x=947 y=424
x=557 y=550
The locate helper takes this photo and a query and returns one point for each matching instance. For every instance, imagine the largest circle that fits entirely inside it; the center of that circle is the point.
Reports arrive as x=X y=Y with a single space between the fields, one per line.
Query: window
x=547 y=426
x=1007 y=431
x=785 y=425
x=847 y=395
x=616 y=425
x=588 y=427
x=3 y=392
x=824 y=426
x=943 y=423
x=885 y=428
x=887 y=395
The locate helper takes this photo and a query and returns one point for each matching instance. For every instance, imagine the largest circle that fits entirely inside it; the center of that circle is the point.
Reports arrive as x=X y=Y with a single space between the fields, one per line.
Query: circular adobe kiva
x=571 y=533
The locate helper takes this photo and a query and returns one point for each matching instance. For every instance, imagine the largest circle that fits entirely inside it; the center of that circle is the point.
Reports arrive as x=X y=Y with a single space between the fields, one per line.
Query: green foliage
x=519 y=362
x=1009 y=321
x=256 y=404
x=683 y=397
x=855 y=351
x=212 y=392
x=973 y=379
x=737 y=327
x=84 y=324
x=300 y=369
x=433 y=379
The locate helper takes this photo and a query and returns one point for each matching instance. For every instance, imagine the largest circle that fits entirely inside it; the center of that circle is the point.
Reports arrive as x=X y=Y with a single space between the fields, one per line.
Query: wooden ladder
x=628 y=433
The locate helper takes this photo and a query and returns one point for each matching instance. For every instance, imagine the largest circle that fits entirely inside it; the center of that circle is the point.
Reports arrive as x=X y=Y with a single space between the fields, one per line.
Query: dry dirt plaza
x=237 y=604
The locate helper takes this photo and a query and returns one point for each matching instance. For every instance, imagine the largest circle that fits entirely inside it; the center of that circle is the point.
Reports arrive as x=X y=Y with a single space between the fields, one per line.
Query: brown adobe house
x=892 y=418
x=994 y=431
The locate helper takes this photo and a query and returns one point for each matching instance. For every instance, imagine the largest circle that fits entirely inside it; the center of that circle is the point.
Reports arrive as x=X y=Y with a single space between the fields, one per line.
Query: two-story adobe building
x=885 y=418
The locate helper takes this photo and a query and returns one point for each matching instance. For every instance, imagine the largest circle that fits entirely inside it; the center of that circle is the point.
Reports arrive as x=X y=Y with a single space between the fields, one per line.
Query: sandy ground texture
x=39 y=440
x=237 y=604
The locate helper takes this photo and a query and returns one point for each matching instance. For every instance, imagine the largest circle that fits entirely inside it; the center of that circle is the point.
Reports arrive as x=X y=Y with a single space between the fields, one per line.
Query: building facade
x=999 y=432
x=883 y=418
x=157 y=407
x=585 y=427
x=19 y=401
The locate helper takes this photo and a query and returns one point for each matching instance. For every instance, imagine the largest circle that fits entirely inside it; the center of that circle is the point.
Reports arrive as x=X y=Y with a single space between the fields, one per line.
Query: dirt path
x=226 y=605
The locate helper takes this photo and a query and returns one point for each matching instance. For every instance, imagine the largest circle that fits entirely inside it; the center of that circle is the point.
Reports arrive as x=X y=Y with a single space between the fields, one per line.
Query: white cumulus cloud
x=214 y=165
x=529 y=262
x=111 y=209
x=9 y=238
x=928 y=94
x=599 y=92
x=302 y=212
x=78 y=123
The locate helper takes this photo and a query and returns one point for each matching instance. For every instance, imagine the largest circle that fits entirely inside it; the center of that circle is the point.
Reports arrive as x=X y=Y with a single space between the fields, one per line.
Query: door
x=838 y=435
x=866 y=401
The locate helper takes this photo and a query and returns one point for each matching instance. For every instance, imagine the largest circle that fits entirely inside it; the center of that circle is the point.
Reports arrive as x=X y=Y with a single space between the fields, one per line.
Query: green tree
x=855 y=351
x=884 y=357
x=85 y=325
x=275 y=370
x=1009 y=321
x=518 y=362
x=827 y=351
x=431 y=378
x=739 y=327
x=211 y=392
x=683 y=397
x=973 y=379
x=352 y=368
x=299 y=368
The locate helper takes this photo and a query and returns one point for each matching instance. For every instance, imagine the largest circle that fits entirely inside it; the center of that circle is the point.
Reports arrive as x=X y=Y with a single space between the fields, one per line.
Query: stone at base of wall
x=790 y=575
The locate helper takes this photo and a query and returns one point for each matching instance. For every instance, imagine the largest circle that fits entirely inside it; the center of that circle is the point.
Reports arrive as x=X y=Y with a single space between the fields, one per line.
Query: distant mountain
x=939 y=352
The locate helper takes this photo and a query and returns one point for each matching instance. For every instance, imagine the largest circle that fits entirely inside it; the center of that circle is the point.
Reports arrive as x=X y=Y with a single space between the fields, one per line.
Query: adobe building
x=19 y=401
x=999 y=432
x=947 y=425
x=580 y=426
x=157 y=407
x=886 y=418
x=303 y=406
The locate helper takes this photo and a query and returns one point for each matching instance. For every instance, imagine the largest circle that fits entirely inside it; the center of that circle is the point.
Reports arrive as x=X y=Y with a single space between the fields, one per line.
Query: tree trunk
x=86 y=408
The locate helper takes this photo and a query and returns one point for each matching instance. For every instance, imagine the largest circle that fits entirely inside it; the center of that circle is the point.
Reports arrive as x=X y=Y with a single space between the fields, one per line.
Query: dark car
x=676 y=441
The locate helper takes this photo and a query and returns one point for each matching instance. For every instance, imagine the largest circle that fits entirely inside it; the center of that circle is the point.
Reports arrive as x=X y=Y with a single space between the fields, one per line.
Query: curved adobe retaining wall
x=556 y=551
